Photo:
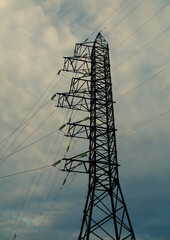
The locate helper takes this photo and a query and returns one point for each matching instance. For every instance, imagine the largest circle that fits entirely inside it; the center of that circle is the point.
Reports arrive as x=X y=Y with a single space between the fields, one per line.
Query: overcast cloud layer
x=34 y=37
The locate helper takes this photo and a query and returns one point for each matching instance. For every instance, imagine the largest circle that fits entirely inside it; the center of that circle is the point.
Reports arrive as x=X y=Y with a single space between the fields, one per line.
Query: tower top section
x=100 y=40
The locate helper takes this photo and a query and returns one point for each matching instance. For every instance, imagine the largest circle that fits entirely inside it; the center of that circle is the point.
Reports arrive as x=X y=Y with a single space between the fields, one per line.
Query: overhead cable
x=123 y=135
x=24 y=119
x=139 y=27
x=17 y=228
x=148 y=79
x=106 y=19
x=143 y=124
x=38 y=140
x=5 y=158
x=126 y=16
x=155 y=38
x=26 y=171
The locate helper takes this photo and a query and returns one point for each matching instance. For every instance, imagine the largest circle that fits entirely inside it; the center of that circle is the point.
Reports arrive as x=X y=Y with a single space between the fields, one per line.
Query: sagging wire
x=131 y=11
x=155 y=38
x=64 y=181
x=148 y=79
x=27 y=121
x=143 y=24
x=97 y=29
x=24 y=119
x=55 y=163
x=22 y=209
x=87 y=152
x=42 y=194
x=3 y=159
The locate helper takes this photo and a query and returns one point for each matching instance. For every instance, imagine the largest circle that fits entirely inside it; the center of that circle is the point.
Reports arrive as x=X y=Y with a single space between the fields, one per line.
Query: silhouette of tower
x=105 y=214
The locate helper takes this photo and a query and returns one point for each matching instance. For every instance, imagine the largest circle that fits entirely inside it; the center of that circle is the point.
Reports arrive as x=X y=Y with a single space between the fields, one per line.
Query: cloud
x=34 y=37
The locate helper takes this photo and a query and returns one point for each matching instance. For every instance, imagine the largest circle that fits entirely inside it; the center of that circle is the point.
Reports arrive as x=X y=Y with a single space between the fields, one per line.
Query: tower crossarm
x=78 y=163
x=78 y=130
x=73 y=101
x=80 y=63
x=80 y=85
x=77 y=65
x=73 y=165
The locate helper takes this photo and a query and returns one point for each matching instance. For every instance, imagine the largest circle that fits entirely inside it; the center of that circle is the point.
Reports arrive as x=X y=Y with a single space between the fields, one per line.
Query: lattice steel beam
x=105 y=213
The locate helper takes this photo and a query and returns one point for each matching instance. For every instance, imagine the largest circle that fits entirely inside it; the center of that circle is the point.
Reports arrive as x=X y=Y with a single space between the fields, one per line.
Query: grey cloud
x=34 y=36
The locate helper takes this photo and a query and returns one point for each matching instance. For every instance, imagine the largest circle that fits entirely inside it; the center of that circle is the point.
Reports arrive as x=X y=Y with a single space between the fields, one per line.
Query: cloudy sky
x=34 y=37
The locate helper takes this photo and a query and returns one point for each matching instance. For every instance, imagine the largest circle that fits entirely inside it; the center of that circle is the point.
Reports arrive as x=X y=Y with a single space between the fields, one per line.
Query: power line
x=23 y=122
x=42 y=172
x=126 y=93
x=38 y=140
x=129 y=132
x=36 y=233
x=148 y=79
x=106 y=19
x=155 y=38
x=28 y=196
x=5 y=158
x=126 y=16
x=140 y=27
x=24 y=119
x=26 y=171
x=38 y=127
x=44 y=188
x=38 y=180
x=52 y=204
x=123 y=135
x=43 y=204
x=30 y=118
x=144 y=124
x=110 y=17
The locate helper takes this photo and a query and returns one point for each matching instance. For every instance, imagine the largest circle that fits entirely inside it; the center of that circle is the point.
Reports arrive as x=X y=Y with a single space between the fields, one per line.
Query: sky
x=34 y=37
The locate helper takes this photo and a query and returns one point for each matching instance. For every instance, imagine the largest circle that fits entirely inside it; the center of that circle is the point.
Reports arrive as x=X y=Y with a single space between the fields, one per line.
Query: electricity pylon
x=105 y=213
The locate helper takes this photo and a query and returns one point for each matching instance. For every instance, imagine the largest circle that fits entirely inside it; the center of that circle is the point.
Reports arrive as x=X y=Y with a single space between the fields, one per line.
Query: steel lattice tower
x=105 y=214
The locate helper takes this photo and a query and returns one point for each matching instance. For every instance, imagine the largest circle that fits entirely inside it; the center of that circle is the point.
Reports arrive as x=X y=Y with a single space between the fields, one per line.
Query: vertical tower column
x=105 y=212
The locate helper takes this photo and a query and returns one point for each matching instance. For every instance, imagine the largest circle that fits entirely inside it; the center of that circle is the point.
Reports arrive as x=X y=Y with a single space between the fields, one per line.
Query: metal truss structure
x=105 y=213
